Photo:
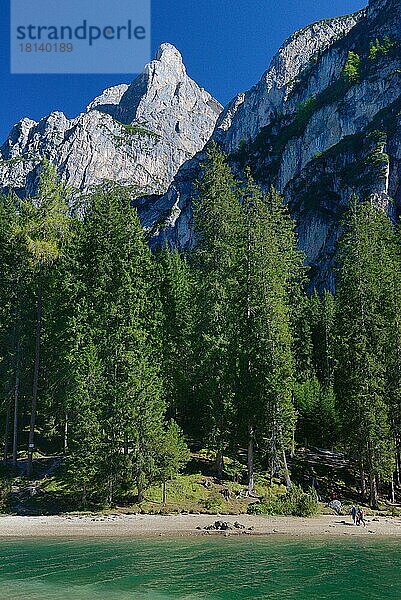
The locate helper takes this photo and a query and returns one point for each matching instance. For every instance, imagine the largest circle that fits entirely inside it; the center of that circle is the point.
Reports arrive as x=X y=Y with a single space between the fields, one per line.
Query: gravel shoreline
x=140 y=525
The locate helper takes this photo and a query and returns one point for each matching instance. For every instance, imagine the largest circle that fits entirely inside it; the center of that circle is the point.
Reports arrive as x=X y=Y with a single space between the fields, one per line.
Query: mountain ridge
x=320 y=137
x=137 y=134
x=308 y=127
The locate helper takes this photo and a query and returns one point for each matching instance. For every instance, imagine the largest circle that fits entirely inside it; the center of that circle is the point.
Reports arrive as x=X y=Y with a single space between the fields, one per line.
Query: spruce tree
x=43 y=229
x=216 y=261
x=176 y=293
x=314 y=397
x=173 y=455
x=271 y=268
x=361 y=340
x=86 y=464
x=392 y=350
x=11 y=280
x=120 y=317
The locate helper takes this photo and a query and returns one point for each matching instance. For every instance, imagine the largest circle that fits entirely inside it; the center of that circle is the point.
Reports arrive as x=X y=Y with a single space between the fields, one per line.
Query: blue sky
x=226 y=46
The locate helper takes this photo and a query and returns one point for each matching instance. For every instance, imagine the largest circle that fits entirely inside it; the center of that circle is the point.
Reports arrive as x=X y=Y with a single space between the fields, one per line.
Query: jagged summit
x=316 y=133
x=137 y=134
x=169 y=54
x=270 y=95
x=306 y=127
x=166 y=54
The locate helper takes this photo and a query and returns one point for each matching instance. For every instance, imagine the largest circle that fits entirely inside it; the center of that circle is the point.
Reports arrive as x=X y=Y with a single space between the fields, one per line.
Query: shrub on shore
x=295 y=503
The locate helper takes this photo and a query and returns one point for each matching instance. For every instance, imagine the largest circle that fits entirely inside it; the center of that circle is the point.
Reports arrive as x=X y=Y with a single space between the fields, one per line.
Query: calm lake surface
x=197 y=568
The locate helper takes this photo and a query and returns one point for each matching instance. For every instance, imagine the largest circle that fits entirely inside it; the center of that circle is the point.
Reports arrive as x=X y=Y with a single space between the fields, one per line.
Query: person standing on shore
x=362 y=517
x=353 y=513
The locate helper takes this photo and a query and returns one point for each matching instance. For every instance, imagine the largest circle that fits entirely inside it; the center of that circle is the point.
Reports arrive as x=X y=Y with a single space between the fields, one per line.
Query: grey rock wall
x=138 y=135
x=303 y=128
x=306 y=131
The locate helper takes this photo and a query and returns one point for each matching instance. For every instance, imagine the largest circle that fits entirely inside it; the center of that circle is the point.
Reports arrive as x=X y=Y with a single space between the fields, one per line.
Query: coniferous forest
x=122 y=360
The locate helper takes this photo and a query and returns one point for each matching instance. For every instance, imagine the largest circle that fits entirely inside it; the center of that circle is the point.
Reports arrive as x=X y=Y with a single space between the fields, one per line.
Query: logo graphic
x=79 y=36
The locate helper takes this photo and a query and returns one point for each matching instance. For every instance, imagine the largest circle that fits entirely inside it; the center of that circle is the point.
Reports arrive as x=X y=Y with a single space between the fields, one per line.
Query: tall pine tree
x=216 y=261
x=120 y=320
x=271 y=270
x=363 y=287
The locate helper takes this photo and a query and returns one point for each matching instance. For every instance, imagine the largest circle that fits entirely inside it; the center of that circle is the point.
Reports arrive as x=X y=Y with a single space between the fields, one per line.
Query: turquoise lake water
x=223 y=568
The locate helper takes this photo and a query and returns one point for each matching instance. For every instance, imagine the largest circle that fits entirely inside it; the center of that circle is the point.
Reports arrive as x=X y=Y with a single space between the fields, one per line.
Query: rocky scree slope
x=137 y=135
x=322 y=124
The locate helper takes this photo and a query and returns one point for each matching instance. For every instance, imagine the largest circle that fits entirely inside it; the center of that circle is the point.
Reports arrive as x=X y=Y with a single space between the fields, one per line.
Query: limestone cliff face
x=316 y=129
x=315 y=133
x=272 y=94
x=138 y=135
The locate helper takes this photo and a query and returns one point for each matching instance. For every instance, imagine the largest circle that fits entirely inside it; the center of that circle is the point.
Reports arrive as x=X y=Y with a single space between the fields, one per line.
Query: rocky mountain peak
x=270 y=95
x=321 y=125
x=137 y=134
x=169 y=54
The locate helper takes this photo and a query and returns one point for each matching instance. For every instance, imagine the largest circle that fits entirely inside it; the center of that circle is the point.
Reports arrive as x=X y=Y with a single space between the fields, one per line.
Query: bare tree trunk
x=220 y=464
x=35 y=382
x=7 y=431
x=373 y=491
x=111 y=490
x=271 y=474
x=363 y=483
x=398 y=467
x=392 y=490
x=250 y=460
x=15 y=424
x=140 y=481
x=293 y=444
x=286 y=472
x=66 y=434
x=16 y=388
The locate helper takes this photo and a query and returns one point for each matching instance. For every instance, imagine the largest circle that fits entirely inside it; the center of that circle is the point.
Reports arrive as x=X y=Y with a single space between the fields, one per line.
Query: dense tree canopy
x=120 y=358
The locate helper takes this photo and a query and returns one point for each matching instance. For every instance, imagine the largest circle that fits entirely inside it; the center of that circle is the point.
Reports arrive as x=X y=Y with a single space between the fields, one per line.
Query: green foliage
x=6 y=480
x=115 y=357
x=215 y=263
x=313 y=393
x=173 y=453
x=242 y=152
x=222 y=344
x=214 y=503
x=21 y=159
x=272 y=271
x=317 y=416
x=304 y=112
x=176 y=285
x=380 y=48
x=85 y=463
x=371 y=166
x=43 y=226
x=295 y=503
x=352 y=68
x=127 y=134
x=248 y=269
x=363 y=292
x=138 y=129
